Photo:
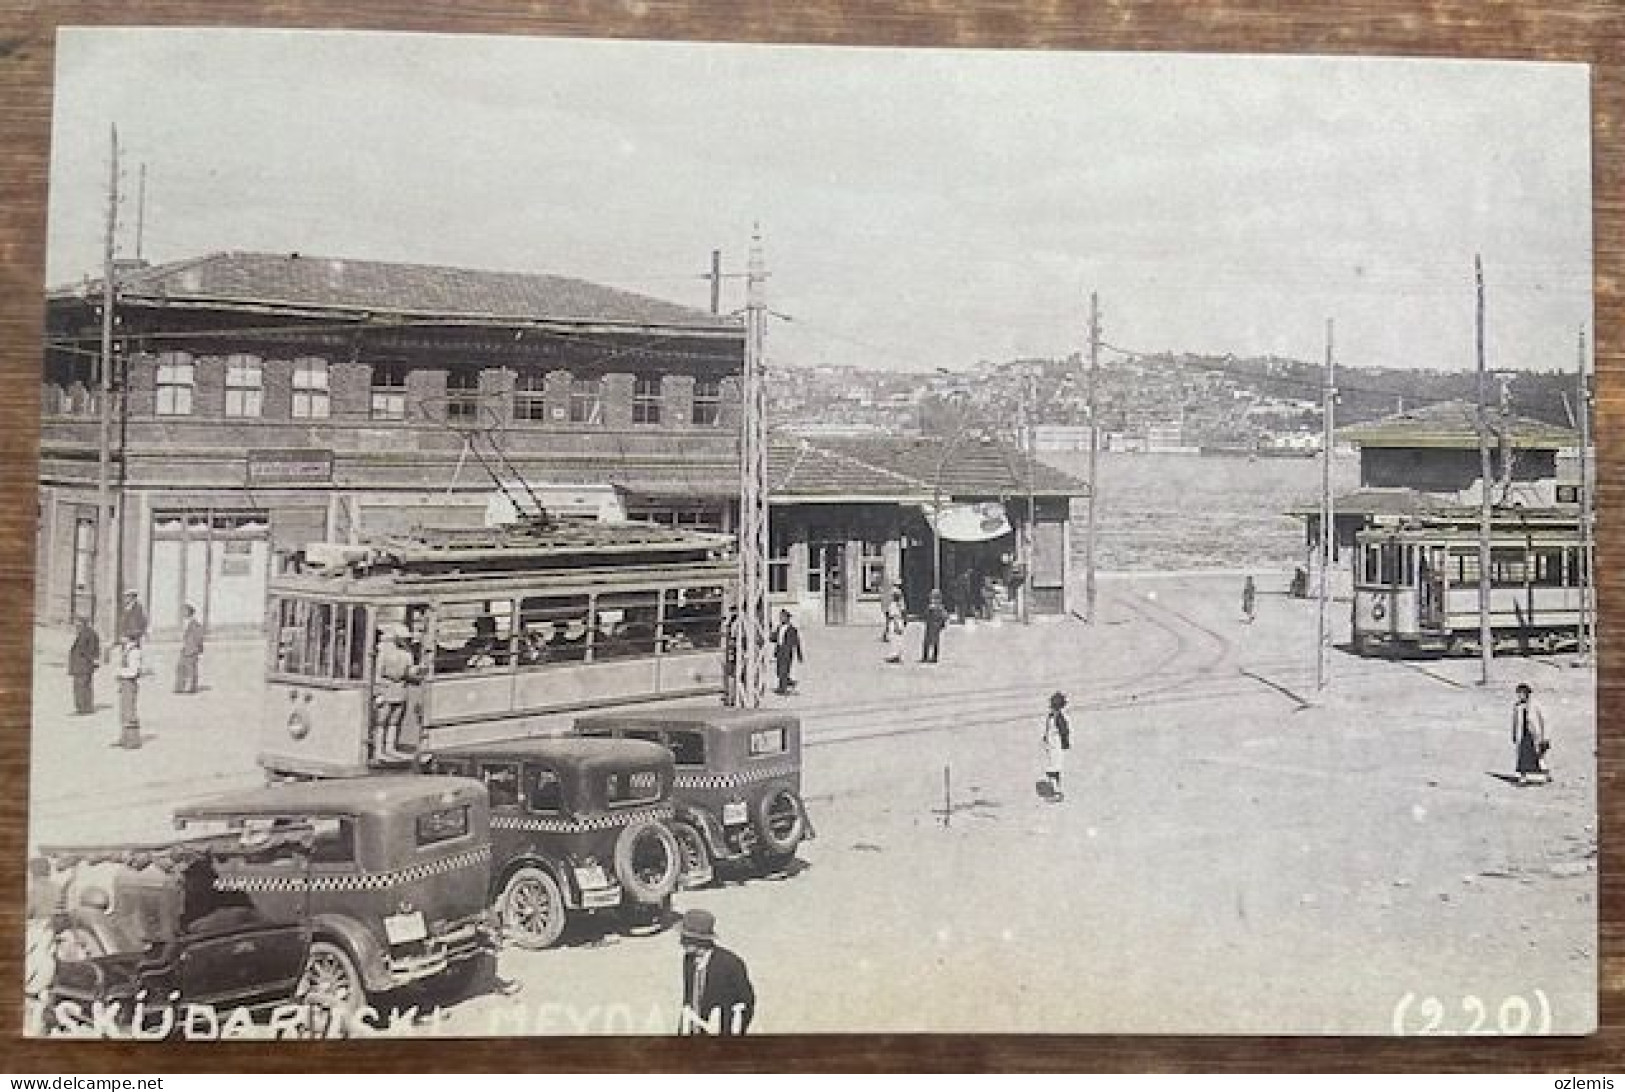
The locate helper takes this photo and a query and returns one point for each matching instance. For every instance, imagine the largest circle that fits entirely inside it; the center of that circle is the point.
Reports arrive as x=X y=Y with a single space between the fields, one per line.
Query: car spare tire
x=779 y=821
x=648 y=861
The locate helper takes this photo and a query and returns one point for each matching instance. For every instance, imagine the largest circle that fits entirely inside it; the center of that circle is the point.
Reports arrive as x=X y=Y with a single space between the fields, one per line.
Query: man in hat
x=132 y=619
x=83 y=658
x=786 y=652
x=393 y=670
x=936 y=619
x=718 y=998
x=191 y=652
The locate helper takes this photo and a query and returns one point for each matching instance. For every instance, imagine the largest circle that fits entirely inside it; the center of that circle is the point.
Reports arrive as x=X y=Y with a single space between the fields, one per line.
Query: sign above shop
x=290 y=466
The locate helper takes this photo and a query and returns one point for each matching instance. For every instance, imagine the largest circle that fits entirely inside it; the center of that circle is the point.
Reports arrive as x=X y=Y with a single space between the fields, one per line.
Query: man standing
x=191 y=650
x=730 y=658
x=718 y=998
x=132 y=620
x=1249 y=600
x=1529 y=734
x=129 y=685
x=83 y=657
x=786 y=651
x=393 y=669
x=936 y=617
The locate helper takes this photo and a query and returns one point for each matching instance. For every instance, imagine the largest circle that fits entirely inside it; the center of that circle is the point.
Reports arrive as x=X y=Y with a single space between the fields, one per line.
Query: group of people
x=895 y=628
x=85 y=658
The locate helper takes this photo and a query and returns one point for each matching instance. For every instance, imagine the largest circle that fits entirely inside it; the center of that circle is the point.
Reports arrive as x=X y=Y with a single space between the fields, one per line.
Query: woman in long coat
x=1529 y=734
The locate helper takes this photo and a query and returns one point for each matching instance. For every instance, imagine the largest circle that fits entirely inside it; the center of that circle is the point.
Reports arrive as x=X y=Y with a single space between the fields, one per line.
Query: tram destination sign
x=289 y=466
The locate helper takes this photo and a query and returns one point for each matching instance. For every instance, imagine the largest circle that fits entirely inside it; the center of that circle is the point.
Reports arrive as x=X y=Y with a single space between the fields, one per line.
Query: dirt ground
x=1237 y=851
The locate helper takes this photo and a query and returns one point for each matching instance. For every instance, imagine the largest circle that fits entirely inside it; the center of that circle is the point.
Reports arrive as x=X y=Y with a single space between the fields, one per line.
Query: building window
x=176 y=375
x=245 y=386
x=707 y=401
x=462 y=395
x=646 y=400
x=586 y=401
x=529 y=397
x=389 y=392
x=310 y=388
x=778 y=561
x=874 y=568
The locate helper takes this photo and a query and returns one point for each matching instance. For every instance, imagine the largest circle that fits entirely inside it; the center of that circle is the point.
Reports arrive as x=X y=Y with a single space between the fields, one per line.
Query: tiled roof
x=915 y=469
x=344 y=284
x=1453 y=425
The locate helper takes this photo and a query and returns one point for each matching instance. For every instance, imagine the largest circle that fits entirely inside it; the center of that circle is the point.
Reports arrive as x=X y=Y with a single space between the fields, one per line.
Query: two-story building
x=272 y=400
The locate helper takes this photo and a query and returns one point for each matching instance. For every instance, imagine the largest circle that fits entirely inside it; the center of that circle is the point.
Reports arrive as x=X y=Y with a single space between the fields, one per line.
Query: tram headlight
x=298 y=716
x=1378 y=611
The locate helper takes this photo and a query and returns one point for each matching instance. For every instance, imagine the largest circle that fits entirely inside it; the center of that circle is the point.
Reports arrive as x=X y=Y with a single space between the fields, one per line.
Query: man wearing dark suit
x=718 y=998
x=83 y=659
x=786 y=652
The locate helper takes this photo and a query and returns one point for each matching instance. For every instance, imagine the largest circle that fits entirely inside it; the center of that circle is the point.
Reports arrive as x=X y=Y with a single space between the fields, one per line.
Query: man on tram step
x=393 y=672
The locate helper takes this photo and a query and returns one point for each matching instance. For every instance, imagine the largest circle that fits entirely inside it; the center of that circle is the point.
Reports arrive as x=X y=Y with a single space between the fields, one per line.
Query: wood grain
x=1590 y=32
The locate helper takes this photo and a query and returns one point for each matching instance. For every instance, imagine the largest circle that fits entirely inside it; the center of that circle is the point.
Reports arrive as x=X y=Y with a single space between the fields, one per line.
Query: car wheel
x=694 y=854
x=780 y=825
x=331 y=980
x=647 y=861
x=532 y=909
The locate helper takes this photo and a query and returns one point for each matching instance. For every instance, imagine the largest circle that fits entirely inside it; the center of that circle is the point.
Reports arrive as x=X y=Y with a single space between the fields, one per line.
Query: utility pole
x=1587 y=622
x=716 y=282
x=105 y=591
x=1328 y=516
x=1486 y=635
x=751 y=632
x=1094 y=462
x=140 y=209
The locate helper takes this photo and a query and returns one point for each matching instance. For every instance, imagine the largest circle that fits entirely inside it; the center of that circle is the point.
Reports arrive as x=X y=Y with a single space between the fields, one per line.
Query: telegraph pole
x=751 y=632
x=140 y=209
x=106 y=589
x=1094 y=461
x=716 y=282
x=1029 y=415
x=1486 y=636
x=1328 y=516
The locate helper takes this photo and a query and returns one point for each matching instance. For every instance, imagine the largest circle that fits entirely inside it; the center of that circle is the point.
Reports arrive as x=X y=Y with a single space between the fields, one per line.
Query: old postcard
x=584 y=537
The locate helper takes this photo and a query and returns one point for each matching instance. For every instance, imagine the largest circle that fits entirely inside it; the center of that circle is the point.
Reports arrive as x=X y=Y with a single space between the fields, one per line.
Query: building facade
x=262 y=402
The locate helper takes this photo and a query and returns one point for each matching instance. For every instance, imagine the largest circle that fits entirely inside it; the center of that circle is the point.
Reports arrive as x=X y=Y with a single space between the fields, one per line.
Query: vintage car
x=576 y=825
x=122 y=938
x=394 y=886
x=737 y=793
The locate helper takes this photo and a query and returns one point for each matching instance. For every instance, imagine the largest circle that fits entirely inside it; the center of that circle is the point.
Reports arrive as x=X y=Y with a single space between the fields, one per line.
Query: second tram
x=1416 y=585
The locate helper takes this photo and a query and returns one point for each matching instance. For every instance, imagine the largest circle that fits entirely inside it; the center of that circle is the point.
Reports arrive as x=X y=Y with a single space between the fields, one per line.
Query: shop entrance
x=827 y=566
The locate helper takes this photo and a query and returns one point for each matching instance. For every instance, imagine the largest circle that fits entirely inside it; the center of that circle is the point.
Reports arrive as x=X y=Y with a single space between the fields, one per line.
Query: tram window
x=687 y=748
x=1549 y=568
x=552 y=629
x=693 y=619
x=624 y=625
x=471 y=637
x=1508 y=567
x=543 y=793
x=502 y=781
x=1372 y=552
x=1465 y=567
x=325 y=640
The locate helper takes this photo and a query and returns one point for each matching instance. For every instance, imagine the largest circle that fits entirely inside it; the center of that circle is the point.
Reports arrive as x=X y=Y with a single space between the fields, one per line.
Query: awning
x=968 y=522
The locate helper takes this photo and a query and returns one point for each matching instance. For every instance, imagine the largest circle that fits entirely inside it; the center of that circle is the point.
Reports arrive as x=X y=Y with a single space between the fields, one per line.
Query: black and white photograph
x=567 y=536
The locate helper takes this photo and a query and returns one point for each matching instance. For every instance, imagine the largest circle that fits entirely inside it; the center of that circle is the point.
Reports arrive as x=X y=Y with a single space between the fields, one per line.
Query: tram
x=1416 y=585
x=510 y=629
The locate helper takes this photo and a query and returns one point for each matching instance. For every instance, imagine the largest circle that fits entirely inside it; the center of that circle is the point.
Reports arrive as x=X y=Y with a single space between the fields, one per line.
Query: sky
x=917 y=208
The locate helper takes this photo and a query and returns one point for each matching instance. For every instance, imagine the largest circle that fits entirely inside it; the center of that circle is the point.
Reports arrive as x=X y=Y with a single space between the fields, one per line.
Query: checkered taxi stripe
x=728 y=781
x=580 y=826
x=359 y=881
